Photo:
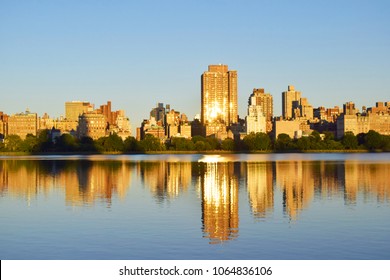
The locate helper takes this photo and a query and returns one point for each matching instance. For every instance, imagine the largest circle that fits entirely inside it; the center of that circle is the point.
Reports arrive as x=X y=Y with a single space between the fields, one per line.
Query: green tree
x=304 y=144
x=334 y=145
x=13 y=143
x=228 y=144
x=150 y=143
x=130 y=144
x=283 y=142
x=29 y=144
x=87 y=144
x=386 y=142
x=350 y=141
x=213 y=142
x=203 y=144
x=67 y=143
x=257 y=141
x=373 y=140
x=182 y=144
x=113 y=143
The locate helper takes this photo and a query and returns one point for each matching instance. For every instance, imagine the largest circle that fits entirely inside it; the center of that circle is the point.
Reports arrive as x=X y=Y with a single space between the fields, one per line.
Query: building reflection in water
x=22 y=178
x=219 y=192
x=296 y=180
x=216 y=178
x=368 y=179
x=83 y=181
x=165 y=179
x=259 y=178
x=96 y=180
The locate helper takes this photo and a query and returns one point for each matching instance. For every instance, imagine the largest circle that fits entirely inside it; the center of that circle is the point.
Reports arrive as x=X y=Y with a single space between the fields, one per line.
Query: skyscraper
x=288 y=97
x=265 y=100
x=219 y=96
x=255 y=120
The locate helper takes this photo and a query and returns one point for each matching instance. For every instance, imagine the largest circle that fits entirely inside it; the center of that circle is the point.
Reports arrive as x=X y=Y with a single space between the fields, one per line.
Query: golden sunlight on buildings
x=219 y=201
x=219 y=95
x=23 y=124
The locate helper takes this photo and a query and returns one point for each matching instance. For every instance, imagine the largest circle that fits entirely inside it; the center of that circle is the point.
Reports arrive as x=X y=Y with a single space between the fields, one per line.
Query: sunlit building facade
x=256 y=119
x=376 y=118
x=92 y=125
x=265 y=101
x=23 y=124
x=288 y=97
x=219 y=95
x=74 y=109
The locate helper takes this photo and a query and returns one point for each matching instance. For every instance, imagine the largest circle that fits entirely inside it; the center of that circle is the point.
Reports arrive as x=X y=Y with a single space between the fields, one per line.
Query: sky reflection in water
x=267 y=206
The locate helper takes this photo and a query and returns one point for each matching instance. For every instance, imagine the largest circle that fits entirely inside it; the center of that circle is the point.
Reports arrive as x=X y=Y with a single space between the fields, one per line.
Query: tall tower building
x=255 y=120
x=288 y=98
x=219 y=95
x=265 y=101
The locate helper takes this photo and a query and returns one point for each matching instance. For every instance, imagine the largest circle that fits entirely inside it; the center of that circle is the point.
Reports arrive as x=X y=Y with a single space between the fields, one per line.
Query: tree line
x=253 y=142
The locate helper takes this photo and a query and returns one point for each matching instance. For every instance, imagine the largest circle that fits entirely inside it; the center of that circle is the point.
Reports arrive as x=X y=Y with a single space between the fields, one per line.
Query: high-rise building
x=265 y=101
x=255 y=120
x=288 y=98
x=158 y=113
x=302 y=109
x=219 y=95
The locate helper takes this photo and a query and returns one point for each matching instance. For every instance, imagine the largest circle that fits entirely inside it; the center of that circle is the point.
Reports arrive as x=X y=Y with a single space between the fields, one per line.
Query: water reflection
x=219 y=187
x=82 y=181
x=267 y=185
x=165 y=179
x=260 y=188
x=296 y=180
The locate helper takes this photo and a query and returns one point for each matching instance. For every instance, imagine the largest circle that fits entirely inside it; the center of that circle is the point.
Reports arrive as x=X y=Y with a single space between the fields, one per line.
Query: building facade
x=255 y=120
x=74 y=109
x=265 y=100
x=288 y=97
x=375 y=118
x=92 y=125
x=219 y=96
x=3 y=125
x=23 y=124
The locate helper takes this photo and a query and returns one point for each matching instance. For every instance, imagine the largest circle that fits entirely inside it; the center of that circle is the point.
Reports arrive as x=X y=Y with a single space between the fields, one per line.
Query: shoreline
x=216 y=152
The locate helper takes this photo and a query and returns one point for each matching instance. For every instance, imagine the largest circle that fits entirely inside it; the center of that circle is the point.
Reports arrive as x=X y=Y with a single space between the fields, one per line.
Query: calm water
x=278 y=206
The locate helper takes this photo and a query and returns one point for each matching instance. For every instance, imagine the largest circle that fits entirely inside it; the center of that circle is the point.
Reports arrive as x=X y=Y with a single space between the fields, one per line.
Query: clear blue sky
x=139 y=53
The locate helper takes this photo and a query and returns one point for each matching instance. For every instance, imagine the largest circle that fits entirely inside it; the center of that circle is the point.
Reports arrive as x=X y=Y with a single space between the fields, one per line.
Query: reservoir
x=230 y=206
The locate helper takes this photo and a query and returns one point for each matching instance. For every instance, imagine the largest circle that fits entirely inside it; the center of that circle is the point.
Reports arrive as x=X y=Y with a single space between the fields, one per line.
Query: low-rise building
x=376 y=118
x=293 y=128
x=92 y=125
x=23 y=124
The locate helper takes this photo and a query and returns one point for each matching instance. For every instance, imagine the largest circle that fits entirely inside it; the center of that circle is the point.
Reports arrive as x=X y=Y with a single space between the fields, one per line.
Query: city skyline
x=56 y=52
